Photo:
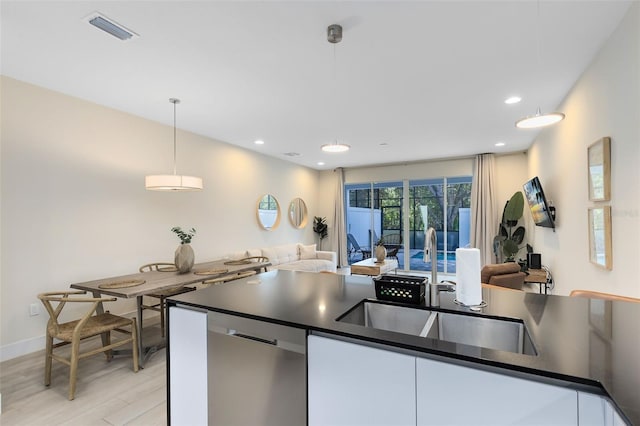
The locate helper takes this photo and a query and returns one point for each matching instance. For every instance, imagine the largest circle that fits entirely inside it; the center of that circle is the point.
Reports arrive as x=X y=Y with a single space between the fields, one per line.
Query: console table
x=538 y=276
x=371 y=267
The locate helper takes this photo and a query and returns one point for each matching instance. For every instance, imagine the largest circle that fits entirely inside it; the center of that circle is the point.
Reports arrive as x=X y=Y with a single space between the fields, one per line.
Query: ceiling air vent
x=110 y=26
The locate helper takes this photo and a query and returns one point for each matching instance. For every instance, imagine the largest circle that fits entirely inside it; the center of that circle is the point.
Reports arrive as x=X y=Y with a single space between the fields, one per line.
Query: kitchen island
x=586 y=347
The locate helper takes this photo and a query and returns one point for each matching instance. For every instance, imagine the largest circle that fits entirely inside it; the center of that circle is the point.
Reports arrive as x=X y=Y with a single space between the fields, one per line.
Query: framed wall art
x=599 y=154
x=600 y=237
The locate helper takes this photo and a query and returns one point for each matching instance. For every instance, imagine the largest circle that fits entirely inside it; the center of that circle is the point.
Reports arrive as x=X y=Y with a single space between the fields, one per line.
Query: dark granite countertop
x=593 y=344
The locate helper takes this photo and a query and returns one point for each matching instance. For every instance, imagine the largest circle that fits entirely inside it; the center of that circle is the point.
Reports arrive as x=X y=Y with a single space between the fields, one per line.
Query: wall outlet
x=34 y=309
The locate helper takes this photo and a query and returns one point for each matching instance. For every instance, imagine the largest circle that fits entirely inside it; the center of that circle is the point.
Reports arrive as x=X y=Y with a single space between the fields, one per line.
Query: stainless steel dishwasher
x=256 y=372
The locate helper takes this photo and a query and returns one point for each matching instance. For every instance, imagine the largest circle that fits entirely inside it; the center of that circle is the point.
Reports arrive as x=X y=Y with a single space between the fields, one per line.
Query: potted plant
x=510 y=236
x=320 y=227
x=184 y=256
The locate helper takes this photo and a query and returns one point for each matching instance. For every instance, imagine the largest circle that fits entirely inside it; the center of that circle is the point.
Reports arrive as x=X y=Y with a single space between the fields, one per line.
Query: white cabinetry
x=449 y=394
x=352 y=384
x=593 y=410
x=355 y=384
x=188 y=372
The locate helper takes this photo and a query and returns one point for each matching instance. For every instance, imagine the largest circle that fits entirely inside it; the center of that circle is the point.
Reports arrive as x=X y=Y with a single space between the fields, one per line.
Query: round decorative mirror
x=298 y=213
x=268 y=211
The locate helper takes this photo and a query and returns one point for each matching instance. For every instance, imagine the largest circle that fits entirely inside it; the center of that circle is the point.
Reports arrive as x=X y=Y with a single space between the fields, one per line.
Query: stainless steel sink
x=504 y=334
x=389 y=317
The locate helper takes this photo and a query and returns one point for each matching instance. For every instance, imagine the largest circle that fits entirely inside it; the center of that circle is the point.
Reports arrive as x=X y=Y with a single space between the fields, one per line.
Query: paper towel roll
x=468 y=286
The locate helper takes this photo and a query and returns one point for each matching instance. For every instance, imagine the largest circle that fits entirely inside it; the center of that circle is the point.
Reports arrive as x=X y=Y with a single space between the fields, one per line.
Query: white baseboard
x=23 y=347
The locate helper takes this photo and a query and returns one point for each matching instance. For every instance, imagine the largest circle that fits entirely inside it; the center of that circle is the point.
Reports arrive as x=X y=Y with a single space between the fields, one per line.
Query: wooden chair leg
x=48 y=360
x=134 y=335
x=73 y=368
x=106 y=341
x=162 y=307
x=141 y=310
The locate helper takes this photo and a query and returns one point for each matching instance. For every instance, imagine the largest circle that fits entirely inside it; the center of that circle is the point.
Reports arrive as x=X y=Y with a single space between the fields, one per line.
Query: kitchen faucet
x=431 y=248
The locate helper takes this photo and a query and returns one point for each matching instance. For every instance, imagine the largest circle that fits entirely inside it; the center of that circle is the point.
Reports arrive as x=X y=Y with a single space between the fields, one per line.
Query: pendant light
x=539 y=119
x=174 y=182
x=334 y=36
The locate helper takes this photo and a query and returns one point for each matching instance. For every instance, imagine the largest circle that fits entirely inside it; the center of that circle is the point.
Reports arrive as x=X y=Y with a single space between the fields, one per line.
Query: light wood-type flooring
x=108 y=393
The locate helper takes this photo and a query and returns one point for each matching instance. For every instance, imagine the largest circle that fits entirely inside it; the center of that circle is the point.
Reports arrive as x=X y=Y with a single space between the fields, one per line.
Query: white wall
x=511 y=174
x=605 y=101
x=74 y=207
x=421 y=170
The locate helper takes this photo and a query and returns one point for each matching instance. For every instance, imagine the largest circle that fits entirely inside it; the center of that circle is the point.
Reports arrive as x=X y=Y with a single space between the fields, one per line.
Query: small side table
x=371 y=267
x=537 y=276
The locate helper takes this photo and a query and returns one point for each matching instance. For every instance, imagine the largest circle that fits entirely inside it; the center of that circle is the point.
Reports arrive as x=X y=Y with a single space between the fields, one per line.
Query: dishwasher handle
x=273 y=342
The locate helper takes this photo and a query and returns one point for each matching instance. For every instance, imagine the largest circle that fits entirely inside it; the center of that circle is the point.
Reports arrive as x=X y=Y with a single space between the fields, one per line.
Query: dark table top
x=594 y=344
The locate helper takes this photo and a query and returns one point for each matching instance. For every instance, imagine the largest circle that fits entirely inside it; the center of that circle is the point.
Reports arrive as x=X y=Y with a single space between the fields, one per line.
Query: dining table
x=143 y=283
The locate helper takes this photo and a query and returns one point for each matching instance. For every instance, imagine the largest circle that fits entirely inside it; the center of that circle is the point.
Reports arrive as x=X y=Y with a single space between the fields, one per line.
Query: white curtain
x=339 y=233
x=484 y=220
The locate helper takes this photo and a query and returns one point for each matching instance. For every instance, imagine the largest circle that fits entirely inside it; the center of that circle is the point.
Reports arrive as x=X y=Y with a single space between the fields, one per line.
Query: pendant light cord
x=174 y=101
x=174 y=136
x=335 y=93
x=539 y=76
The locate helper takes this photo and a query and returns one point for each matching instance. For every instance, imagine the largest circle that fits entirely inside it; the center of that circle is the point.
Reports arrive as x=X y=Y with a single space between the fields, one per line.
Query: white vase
x=184 y=258
x=381 y=254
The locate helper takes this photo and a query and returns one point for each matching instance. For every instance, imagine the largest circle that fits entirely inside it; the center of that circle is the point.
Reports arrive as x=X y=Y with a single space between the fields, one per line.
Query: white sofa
x=297 y=257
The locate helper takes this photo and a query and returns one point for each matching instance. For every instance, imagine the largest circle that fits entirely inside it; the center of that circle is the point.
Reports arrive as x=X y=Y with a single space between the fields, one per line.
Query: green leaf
x=509 y=248
x=513 y=210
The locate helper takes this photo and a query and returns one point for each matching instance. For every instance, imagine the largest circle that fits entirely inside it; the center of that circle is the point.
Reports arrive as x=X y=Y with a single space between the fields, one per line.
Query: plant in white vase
x=184 y=257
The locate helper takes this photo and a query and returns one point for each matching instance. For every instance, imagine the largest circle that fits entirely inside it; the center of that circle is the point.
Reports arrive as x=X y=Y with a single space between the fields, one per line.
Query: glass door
x=443 y=204
x=374 y=211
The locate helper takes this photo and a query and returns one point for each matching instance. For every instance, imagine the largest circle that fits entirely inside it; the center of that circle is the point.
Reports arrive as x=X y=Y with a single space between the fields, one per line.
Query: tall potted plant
x=510 y=235
x=321 y=229
x=184 y=256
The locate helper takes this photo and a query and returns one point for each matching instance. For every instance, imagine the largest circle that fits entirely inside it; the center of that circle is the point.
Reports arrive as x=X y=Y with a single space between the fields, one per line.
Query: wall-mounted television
x=540 y=209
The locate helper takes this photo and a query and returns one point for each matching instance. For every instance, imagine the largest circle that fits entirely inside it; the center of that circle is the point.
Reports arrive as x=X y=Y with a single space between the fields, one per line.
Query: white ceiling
x=410 y=81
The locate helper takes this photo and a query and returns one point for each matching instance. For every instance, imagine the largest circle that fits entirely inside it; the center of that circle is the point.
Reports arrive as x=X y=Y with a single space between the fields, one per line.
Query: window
x=376 y=209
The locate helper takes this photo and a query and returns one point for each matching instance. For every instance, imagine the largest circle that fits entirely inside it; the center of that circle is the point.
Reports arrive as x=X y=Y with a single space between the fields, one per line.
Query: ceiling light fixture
x=259 y=142
x=512 y=100
x=539 y=119
x=500 y=144
x=173 y=182
x=334 y=36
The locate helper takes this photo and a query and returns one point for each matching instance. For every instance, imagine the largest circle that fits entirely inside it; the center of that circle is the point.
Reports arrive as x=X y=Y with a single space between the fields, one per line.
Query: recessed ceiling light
x=500 y=144
x=512 y=100
x=320 y=163
x=259 y=142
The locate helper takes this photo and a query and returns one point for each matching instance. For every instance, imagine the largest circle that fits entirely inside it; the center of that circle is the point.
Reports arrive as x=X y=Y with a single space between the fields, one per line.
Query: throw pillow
x=236 y=255
x=307 y=252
